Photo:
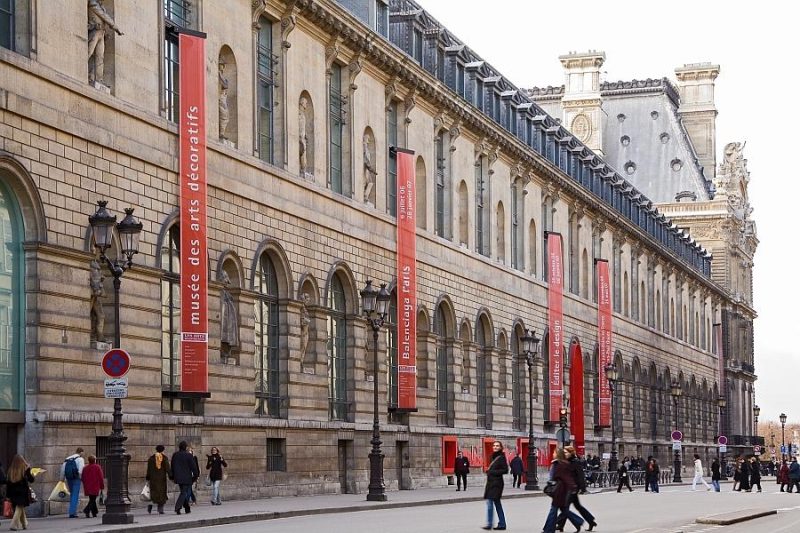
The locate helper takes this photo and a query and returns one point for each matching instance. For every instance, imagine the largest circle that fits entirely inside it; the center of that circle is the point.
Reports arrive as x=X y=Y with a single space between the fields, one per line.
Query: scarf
x=159 y=457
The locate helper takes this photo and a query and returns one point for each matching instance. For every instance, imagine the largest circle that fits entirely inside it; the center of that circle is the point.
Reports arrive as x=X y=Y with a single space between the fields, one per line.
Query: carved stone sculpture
x=305 y=326
x=99 y=24
x=229 y=318
x=97 y=313
x=302 y=130
x=224 y=114
x=370 y=172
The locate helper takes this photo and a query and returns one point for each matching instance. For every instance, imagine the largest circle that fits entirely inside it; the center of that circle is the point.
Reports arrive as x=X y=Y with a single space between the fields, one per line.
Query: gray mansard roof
x=643 y=137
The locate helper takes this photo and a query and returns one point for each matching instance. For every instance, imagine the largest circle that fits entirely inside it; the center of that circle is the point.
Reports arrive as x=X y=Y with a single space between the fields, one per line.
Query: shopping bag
x=101 y=498
x=146 y=492
x=8 y=509
x=60 y=493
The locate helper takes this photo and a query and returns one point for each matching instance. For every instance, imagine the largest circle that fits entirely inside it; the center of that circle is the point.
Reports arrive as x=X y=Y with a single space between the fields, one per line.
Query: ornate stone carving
x=99 y=23
x=229 y=317
x=288 y=23
x=305 y=326
x=96 y=311
x=390 y=92
x=224 y=114
x=370 y=170
x=410 y=103
x=331 y=52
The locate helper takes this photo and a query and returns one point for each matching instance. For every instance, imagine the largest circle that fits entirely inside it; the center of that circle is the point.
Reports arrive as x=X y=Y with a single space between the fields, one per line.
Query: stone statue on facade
x=370 y=172
x=97 y=312
x=305 y=326
x=224 y=114
x=229 y=318
x=302 y=130
x=99 y=24
x=733 y=152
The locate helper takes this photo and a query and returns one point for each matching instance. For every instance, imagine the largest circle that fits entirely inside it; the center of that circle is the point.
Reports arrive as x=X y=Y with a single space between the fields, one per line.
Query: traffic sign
x=722 y=440
x=723 y=448
x=116 y=388
x=563 y=436
x=116 y=363
x=783 y=449
x=756 y=448
x=676 y=446
x=677 y=435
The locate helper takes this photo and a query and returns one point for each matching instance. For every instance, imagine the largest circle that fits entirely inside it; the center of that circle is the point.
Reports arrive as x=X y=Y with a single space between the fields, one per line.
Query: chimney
x=698 y=112
x=581 y=102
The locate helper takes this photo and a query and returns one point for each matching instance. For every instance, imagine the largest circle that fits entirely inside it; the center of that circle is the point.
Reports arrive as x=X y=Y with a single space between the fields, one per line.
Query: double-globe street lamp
x=612 y=375
x=783 y=435
x=676 y=392
x=530 y=348
x=375 y=303
x=118 y=502
x=722 y=403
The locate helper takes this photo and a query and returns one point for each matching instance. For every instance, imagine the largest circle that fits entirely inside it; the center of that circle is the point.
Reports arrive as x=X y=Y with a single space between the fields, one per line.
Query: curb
x=727 y=519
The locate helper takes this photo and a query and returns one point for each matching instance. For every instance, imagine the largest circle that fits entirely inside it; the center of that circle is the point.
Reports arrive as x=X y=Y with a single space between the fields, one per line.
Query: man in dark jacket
x=624 y=479
x=580 y=482
x=755 y=473
x=184 y=473
x=517 y=468
x=461 y=469
x=794 y=475
x=715 y=474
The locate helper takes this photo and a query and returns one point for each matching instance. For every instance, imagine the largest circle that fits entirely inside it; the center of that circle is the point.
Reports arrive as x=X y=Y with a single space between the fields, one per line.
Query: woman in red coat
x=92 y=477
x=783 y=474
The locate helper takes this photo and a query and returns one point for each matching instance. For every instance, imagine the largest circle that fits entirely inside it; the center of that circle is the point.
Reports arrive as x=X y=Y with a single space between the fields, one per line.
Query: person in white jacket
x=698 y=474
x=71 y=470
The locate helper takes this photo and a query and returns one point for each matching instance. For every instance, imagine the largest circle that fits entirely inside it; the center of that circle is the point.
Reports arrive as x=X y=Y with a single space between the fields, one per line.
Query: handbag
x=60 y=493
x=32 y=494
x=101 y=498
x=8 y=509
x=550 y=488
x=145 y=495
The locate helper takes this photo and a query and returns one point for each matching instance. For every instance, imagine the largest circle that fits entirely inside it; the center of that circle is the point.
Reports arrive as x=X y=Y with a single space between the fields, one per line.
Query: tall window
x=391 y=171
x=11 y=324
x=391 y=352
x=171 y=323
x=442 y=369
x=7 y=21
x=336 y=119
x=177 y=15
x=337 y=351
x=517 y=236
x=517 y=377
x=596 y=254
x=482 y=238
x=573 y=253
x=483 y=350
x=267 y=321
x=617 y=274
x=265 y=97
x=440 y=185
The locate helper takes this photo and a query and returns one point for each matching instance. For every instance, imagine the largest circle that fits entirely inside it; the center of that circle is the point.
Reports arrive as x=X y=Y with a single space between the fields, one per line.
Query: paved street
x=672 y=511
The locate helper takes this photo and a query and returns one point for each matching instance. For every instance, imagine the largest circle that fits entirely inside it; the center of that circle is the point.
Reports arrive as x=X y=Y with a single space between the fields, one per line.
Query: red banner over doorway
x=604 y=332
x=193 y=211
x=556 y=322
x=576 y=419
x=406 y=281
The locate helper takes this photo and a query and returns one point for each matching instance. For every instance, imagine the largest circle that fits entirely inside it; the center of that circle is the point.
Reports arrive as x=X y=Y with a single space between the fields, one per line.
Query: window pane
x=336 y=128
x=267 y=321
x=10 y=305
x=7 y=24
x=337 y=351
x=391 y=180
x=266 y=82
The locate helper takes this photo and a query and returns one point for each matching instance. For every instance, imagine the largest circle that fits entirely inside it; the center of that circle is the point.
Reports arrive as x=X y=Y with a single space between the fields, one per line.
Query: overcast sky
x=756 y=46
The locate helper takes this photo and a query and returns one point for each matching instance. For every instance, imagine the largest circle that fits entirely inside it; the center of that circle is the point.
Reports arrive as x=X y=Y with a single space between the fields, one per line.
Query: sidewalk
x=204 y=514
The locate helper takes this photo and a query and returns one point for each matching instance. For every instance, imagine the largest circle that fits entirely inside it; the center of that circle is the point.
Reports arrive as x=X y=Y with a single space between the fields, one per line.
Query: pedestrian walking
x=755 y=473
x=737 y=474
x=698 y=473
x=214 y=465
x=184 y=473
x=624 y=478
x=498 y=467
x=18 y=491
x=561 y=476
x=744 y=476
x=92 y=477
x=461 y=469
x=71 y=470
x=794 y=475
x=517 y=468
x=715 y=474
x=783 y=474
x=192 y=495
x=580 y=482
x=158 y=470
x=651 y=473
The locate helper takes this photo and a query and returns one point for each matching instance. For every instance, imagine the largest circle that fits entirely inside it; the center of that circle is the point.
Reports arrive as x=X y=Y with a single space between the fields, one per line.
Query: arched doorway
x=576 y=418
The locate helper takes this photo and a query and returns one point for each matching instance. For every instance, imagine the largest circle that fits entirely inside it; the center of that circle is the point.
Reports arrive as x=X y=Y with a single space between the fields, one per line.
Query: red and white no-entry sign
x=116 y=363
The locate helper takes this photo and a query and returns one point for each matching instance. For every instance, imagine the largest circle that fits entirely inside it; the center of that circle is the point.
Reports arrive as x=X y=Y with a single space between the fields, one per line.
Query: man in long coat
x=157 y=473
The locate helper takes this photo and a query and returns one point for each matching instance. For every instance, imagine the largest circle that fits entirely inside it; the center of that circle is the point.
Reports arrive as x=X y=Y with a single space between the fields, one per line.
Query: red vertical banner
x=193 y=211
x=604 y=332
x=555 y=296
x=406 y=281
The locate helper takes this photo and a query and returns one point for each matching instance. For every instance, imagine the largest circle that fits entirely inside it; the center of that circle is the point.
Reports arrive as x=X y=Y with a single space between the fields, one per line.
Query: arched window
x=337 y=350
x=11 y=304
x=443 y=404
x=391 y=352
x=267 y=327
x=517 y=379
x=483 y=338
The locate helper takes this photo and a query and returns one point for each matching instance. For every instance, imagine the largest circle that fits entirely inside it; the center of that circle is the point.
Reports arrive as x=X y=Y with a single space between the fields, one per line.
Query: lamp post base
x=116 y=515
x=377 y=490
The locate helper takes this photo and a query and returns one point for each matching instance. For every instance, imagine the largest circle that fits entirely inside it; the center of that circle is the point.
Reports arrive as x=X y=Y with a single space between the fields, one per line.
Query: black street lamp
x=612 y=375
x=530 y=348
x=376 y=306
x=783 y=434
x=721 y=403
x=118 y=502
x=756 y=412
x=676 y=462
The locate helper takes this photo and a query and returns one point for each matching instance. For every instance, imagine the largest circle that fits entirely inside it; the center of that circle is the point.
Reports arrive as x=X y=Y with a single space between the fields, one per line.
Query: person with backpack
x=71 y=471
x=794 y=475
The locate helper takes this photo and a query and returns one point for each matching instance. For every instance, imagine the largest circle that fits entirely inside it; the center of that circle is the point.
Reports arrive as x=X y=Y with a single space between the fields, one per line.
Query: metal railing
x=599 y=479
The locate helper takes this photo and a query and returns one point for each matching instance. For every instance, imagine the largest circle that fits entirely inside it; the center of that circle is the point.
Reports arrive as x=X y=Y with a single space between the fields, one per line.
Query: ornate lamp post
x=118 y=502
x=783 y=434
x=756 y=412
x=376 y=306
x=612 y=374
x=722 y=403
x=530 y=348
x=676 y=462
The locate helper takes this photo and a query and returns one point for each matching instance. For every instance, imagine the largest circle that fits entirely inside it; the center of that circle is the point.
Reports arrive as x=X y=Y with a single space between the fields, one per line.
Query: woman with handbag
x=18 y=490
x=214 y=465
x=494 y=487
x=157 y=473
x=92 y=477
x=563 y=485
